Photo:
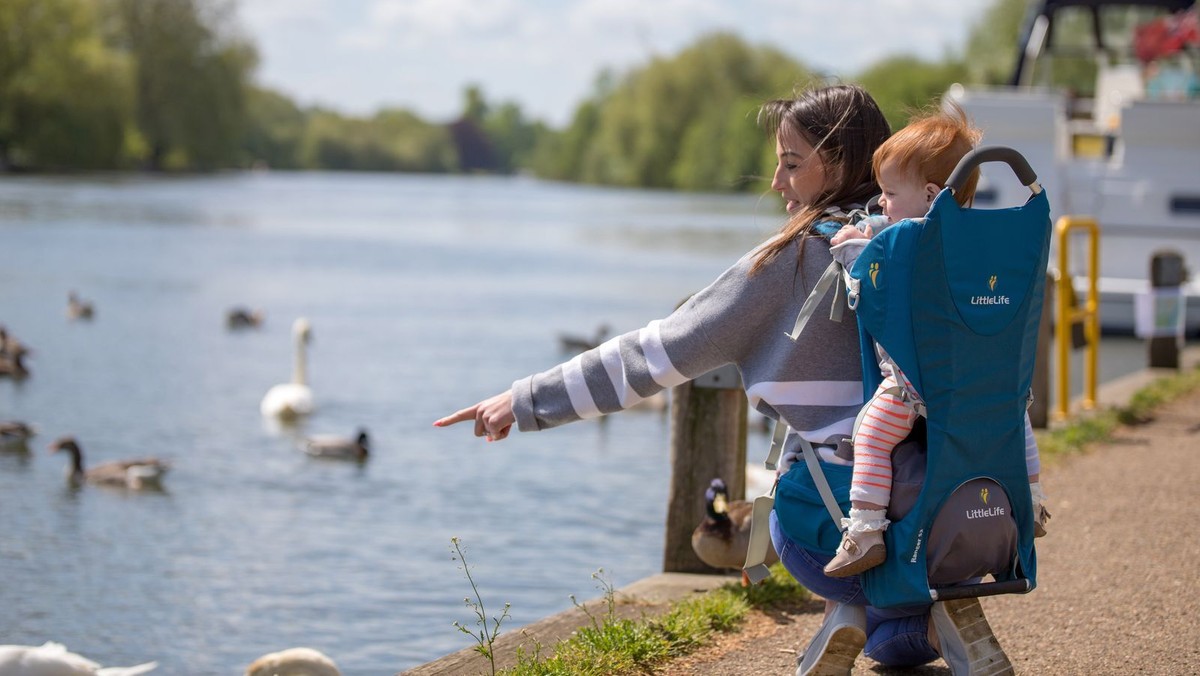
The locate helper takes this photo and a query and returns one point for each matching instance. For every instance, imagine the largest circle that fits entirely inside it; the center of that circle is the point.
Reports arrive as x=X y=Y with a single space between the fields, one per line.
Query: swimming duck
x=77 y=308
x=53 y=659
x=293 y=662
x=14 y=434
x=9 y=345
x=574 y=344
x=289 y=401
x=13 y=366
x=722 y=537
x=338 y=448
x=243 y=318
x=133 y=474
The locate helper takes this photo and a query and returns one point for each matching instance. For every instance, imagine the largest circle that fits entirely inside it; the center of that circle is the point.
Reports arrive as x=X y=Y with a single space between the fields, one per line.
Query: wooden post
x=1167 y=275
x=708 y=439
x=1039 y=410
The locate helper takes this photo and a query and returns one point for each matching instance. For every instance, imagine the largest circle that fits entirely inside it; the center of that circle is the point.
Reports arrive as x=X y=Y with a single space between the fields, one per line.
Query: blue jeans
x=896 y=637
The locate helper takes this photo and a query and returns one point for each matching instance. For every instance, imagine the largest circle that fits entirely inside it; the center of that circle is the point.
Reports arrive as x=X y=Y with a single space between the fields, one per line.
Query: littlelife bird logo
x=874 y=271
x=983 y=495
x=993 y=298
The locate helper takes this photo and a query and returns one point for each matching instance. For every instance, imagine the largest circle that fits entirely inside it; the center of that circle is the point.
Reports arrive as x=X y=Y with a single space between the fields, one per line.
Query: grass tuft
x=615 y=645
x=1077 y=435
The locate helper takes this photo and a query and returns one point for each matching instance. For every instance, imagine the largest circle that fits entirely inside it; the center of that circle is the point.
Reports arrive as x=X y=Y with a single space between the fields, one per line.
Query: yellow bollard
x=1067 y=314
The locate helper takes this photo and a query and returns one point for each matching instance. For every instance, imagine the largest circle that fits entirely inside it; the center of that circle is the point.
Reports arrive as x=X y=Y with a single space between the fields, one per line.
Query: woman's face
x=800 y=172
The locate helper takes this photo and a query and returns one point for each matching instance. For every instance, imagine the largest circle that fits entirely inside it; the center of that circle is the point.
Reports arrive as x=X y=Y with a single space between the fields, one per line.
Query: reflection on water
x=425 y=294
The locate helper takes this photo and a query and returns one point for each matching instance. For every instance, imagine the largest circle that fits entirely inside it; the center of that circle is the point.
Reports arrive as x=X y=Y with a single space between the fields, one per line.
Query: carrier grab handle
x=978 y=156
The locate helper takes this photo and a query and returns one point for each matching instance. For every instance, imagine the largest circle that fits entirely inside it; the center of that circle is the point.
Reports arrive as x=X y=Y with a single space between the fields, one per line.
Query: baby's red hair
x=931 y=145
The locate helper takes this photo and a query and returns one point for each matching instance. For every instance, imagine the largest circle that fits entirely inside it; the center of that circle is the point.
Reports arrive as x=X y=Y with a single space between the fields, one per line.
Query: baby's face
x=905 y=193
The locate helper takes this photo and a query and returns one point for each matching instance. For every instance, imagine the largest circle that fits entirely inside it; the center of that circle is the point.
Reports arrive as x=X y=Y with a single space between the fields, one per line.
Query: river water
x=426 y=294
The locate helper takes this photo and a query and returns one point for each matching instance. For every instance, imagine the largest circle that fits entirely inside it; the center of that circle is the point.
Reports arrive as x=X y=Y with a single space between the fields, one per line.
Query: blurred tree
x=393 y=140
x=413 y=144
x=903 y=85
x=474 y=146
x=685 y=122
x=191 y=75
x=992 y=44
x=511 y=135
x=274 y=128
x=64 y=97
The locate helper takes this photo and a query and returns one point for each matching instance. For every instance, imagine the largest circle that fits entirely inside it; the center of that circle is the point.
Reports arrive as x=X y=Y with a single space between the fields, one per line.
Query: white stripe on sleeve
x=577 y=389
x=661 y=369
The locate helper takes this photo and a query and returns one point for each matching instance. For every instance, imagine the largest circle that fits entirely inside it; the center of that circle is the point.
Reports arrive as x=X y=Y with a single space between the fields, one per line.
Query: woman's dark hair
x=844 y=124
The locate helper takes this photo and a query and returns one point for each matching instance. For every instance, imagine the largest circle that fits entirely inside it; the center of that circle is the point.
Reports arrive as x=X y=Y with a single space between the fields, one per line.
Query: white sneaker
x=838 y=642
x=966 y=640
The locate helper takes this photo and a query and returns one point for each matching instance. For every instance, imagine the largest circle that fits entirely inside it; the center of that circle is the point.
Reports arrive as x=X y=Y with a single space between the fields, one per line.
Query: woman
x=824 y=140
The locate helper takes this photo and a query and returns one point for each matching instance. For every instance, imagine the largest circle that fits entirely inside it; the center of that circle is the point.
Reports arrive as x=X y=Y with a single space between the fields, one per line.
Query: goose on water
x=290 y=401
x=133 y=474
x=574 y=344
x=243 y=318
x=14 y=434
x=13 y=366
x=9 y=345
x=78 y=308
x=338 y=448
x=53 y=659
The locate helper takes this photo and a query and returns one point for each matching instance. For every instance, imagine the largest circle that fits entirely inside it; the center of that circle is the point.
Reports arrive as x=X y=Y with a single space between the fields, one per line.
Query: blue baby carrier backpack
x=955 y=300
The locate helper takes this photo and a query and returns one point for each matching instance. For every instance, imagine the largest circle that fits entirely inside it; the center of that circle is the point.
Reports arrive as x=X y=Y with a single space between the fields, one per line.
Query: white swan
x=293 y=662
x=290 y=401
x=53 y=659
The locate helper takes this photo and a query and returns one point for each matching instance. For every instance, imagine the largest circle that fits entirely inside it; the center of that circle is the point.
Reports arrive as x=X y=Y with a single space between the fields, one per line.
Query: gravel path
x=1118 y=575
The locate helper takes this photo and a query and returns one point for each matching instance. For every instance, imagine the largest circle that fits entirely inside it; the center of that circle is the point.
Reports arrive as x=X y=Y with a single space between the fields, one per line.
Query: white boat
x=1127 y=156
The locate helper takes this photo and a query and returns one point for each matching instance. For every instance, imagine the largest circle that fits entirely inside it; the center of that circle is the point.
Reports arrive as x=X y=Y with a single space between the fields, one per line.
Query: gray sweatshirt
x=814 y=383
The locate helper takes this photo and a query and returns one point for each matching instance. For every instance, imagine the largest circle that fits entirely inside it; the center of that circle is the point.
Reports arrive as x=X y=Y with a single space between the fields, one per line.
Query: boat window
x=1185 y=204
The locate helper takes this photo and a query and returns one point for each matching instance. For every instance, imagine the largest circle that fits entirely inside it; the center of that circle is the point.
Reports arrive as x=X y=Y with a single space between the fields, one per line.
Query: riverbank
x=1116 y=575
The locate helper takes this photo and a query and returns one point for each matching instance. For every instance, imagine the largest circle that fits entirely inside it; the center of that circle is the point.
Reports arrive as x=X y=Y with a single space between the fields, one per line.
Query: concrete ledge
x=647 y=597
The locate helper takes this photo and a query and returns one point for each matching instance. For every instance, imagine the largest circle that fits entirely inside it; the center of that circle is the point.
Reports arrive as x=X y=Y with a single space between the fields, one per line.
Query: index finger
x=465 y=414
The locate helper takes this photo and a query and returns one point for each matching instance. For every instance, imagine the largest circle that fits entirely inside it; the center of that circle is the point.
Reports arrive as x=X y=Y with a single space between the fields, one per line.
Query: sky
x=358 y=56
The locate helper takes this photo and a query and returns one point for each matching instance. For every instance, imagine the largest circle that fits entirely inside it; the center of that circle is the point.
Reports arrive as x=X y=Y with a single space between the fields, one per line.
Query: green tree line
x=169 y=85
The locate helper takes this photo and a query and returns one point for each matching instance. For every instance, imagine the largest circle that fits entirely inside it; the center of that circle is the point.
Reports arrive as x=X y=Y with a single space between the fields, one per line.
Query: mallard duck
x=53 y=659
x=14 y=434
x=77 y=308
x=574 y=344
x=290 y=401
x=722 y=537
x=13 y=366
x=10 y=346
x=338 y=448
x=134 y=474
x=243 y=318
x=293 y=662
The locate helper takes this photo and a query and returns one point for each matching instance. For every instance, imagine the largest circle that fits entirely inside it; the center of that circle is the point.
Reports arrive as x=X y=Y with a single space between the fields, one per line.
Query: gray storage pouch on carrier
x=974 y=533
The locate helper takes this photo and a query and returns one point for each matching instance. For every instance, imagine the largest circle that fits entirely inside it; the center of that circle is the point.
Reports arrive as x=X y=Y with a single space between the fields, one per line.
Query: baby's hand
x=848 y=232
